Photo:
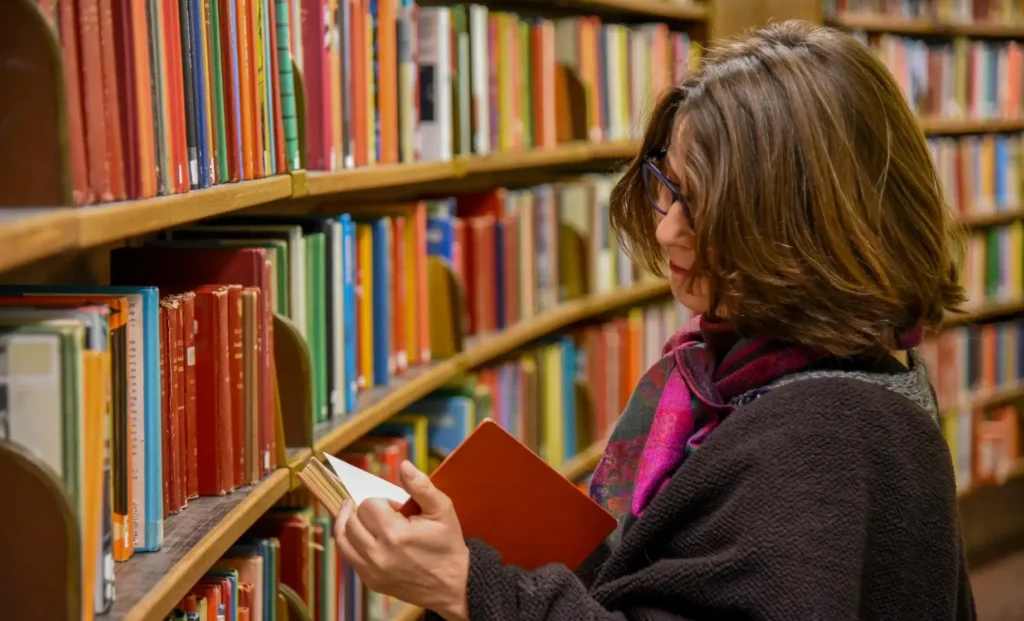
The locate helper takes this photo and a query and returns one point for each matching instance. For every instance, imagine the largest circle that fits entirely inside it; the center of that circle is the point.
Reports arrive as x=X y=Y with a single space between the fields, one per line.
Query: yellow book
x=420 y=449
x=208 y=104
x=364 y=251
x=504 y=82
x=551 y=378
x=334 y=42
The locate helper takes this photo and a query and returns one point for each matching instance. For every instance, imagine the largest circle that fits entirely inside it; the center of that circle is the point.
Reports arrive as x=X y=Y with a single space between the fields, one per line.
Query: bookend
x=290 y=605
x=570 y=96
x=41 y=572
x=447 y=310
x=294 y=371
x=35 y=168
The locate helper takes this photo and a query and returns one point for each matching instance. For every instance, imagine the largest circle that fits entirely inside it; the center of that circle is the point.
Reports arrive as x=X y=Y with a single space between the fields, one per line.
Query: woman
x=783 y=460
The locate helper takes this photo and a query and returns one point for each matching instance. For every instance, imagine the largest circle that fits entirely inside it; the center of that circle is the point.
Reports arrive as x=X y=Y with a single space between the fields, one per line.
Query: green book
x=286 y=79
x=316 y=319
x=217 y=75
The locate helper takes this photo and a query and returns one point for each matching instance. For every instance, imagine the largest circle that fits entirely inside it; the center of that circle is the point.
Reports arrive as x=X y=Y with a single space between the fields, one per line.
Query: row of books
x=993 y=265
x=962 y=78
x=980 y=174
x=293 y=547
x=974 y=361
x=164 y=97
x=985 y=444
x=958 y=11
x=467 y=79
x=545 y=395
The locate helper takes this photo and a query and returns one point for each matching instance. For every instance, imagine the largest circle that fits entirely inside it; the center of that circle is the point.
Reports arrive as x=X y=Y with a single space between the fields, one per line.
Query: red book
x=92 y=99
x=111 y=100
x=228 y=68
x=177 y=336
x=66 y=26
x=176 y=269
x=236 y=371
x=213 y=390
x=399 y=338
x=188 y=315
x=165 y=408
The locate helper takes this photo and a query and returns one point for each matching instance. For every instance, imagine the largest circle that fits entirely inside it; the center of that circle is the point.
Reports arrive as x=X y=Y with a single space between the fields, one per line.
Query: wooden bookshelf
x=669 y=10
x=151 y=583
x=377 y=405
x=925 y=27
x=993 y=219
x=578 y=467
x=990 y=310
x=419 y=173
x=957 y=127
x=30 y=234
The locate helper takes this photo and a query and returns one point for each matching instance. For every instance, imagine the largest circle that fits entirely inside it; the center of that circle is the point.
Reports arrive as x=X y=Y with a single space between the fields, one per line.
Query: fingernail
x=408 y=469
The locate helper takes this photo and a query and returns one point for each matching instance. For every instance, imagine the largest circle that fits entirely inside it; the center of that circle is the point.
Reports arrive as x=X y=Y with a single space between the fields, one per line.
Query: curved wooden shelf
x=404 y=175
x=663 y=9
x=990 y=310
x=908 y=26
x=28 y=234
x=377 y=405
x=956 y=127
x=150 y=584
x=993 y=219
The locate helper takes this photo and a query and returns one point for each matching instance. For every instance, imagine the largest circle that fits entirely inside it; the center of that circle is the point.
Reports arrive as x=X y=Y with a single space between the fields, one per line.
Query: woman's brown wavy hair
x=818 y=216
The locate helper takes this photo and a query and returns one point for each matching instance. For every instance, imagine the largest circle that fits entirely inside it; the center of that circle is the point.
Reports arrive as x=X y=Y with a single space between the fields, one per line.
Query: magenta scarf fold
x=680 y=401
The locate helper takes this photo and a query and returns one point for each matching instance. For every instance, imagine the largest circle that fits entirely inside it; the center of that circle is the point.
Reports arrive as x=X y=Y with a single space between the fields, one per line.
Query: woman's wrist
x=456 y=600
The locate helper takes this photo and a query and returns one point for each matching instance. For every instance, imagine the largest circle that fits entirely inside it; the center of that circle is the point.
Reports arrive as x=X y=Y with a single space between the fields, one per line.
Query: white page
x=363 y=485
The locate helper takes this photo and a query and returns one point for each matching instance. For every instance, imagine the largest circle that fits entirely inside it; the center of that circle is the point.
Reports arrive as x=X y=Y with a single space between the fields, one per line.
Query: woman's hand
x=422 y=560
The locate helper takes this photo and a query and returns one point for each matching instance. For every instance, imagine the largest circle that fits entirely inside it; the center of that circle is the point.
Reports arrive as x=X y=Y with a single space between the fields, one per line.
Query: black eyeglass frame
x=650 y=167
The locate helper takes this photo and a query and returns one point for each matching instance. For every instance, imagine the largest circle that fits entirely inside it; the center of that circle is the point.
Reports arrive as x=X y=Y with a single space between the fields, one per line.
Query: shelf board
x=404 y=175
x=298 y=456
x=664 y=9
x=909 y=26
x=28 y=234
x=989 y=310
x=992 y=219
x=381 y=403
x=955 y=127
x=150 y=584
x=1016 y=472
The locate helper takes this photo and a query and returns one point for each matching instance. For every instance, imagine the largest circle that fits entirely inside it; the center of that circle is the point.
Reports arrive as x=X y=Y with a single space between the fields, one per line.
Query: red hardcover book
x=188 y=321
x=236 y=370
x=179 y=497
x=81 y=192
x=213 y=390
x=92 y=99
x=228 y=67
x=111 y=100
x=181 y=268
x=268 y=380
x=399 y=338
x=165 y=406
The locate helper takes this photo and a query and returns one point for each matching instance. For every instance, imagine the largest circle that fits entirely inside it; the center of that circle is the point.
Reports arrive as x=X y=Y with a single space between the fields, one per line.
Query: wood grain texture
x=149 y=585
x=955 y=127
x=993 y=219
x=988 y=310
x=379 y=404
x=460 y=168
x=113 y=221
x=910 y=26
x=29 y=234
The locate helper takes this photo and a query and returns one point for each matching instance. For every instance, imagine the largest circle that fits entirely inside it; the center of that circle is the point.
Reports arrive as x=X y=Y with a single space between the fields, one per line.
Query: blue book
x=149 y=523
x=451 y=418
x=569 y=395
x=348 y=270
x=233 y=50
x=1002 y=164
x=205 y=172
x=383 y=361
x=232 y=577
x=441 y=237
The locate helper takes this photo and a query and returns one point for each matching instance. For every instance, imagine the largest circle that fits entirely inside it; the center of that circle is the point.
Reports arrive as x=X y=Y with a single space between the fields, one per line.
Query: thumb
x=430 y=499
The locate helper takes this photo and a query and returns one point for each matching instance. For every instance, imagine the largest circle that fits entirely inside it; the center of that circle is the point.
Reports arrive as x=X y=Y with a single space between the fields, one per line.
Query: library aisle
x=239 y=235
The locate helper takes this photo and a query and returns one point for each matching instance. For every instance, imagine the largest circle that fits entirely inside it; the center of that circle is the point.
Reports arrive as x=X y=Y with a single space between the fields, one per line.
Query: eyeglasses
x=655 y=182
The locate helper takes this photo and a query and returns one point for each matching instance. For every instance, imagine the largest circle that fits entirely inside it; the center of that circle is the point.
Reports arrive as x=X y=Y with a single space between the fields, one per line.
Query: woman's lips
x=676 y=270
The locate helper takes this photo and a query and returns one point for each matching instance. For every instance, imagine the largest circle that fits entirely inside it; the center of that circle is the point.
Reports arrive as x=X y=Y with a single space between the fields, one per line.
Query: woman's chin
x=693 y=302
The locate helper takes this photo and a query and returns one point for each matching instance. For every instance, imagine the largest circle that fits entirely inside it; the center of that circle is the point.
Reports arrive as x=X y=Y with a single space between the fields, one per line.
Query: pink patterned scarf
x=681 y=400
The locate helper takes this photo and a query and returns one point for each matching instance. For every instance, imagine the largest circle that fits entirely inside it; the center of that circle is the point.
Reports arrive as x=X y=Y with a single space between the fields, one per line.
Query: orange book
x=245 y=81
x=359 y=82
x=387 y=88
x=488 y=478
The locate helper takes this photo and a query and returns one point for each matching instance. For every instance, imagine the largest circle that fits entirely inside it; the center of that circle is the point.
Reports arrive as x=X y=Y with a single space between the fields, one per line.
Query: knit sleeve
x=772 y=519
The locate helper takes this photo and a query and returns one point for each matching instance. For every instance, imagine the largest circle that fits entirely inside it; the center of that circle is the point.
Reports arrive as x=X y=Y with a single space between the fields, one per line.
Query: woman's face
x=677 y=238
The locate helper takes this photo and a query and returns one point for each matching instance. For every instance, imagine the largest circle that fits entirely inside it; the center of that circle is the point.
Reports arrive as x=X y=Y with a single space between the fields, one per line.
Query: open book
x=503 y=494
